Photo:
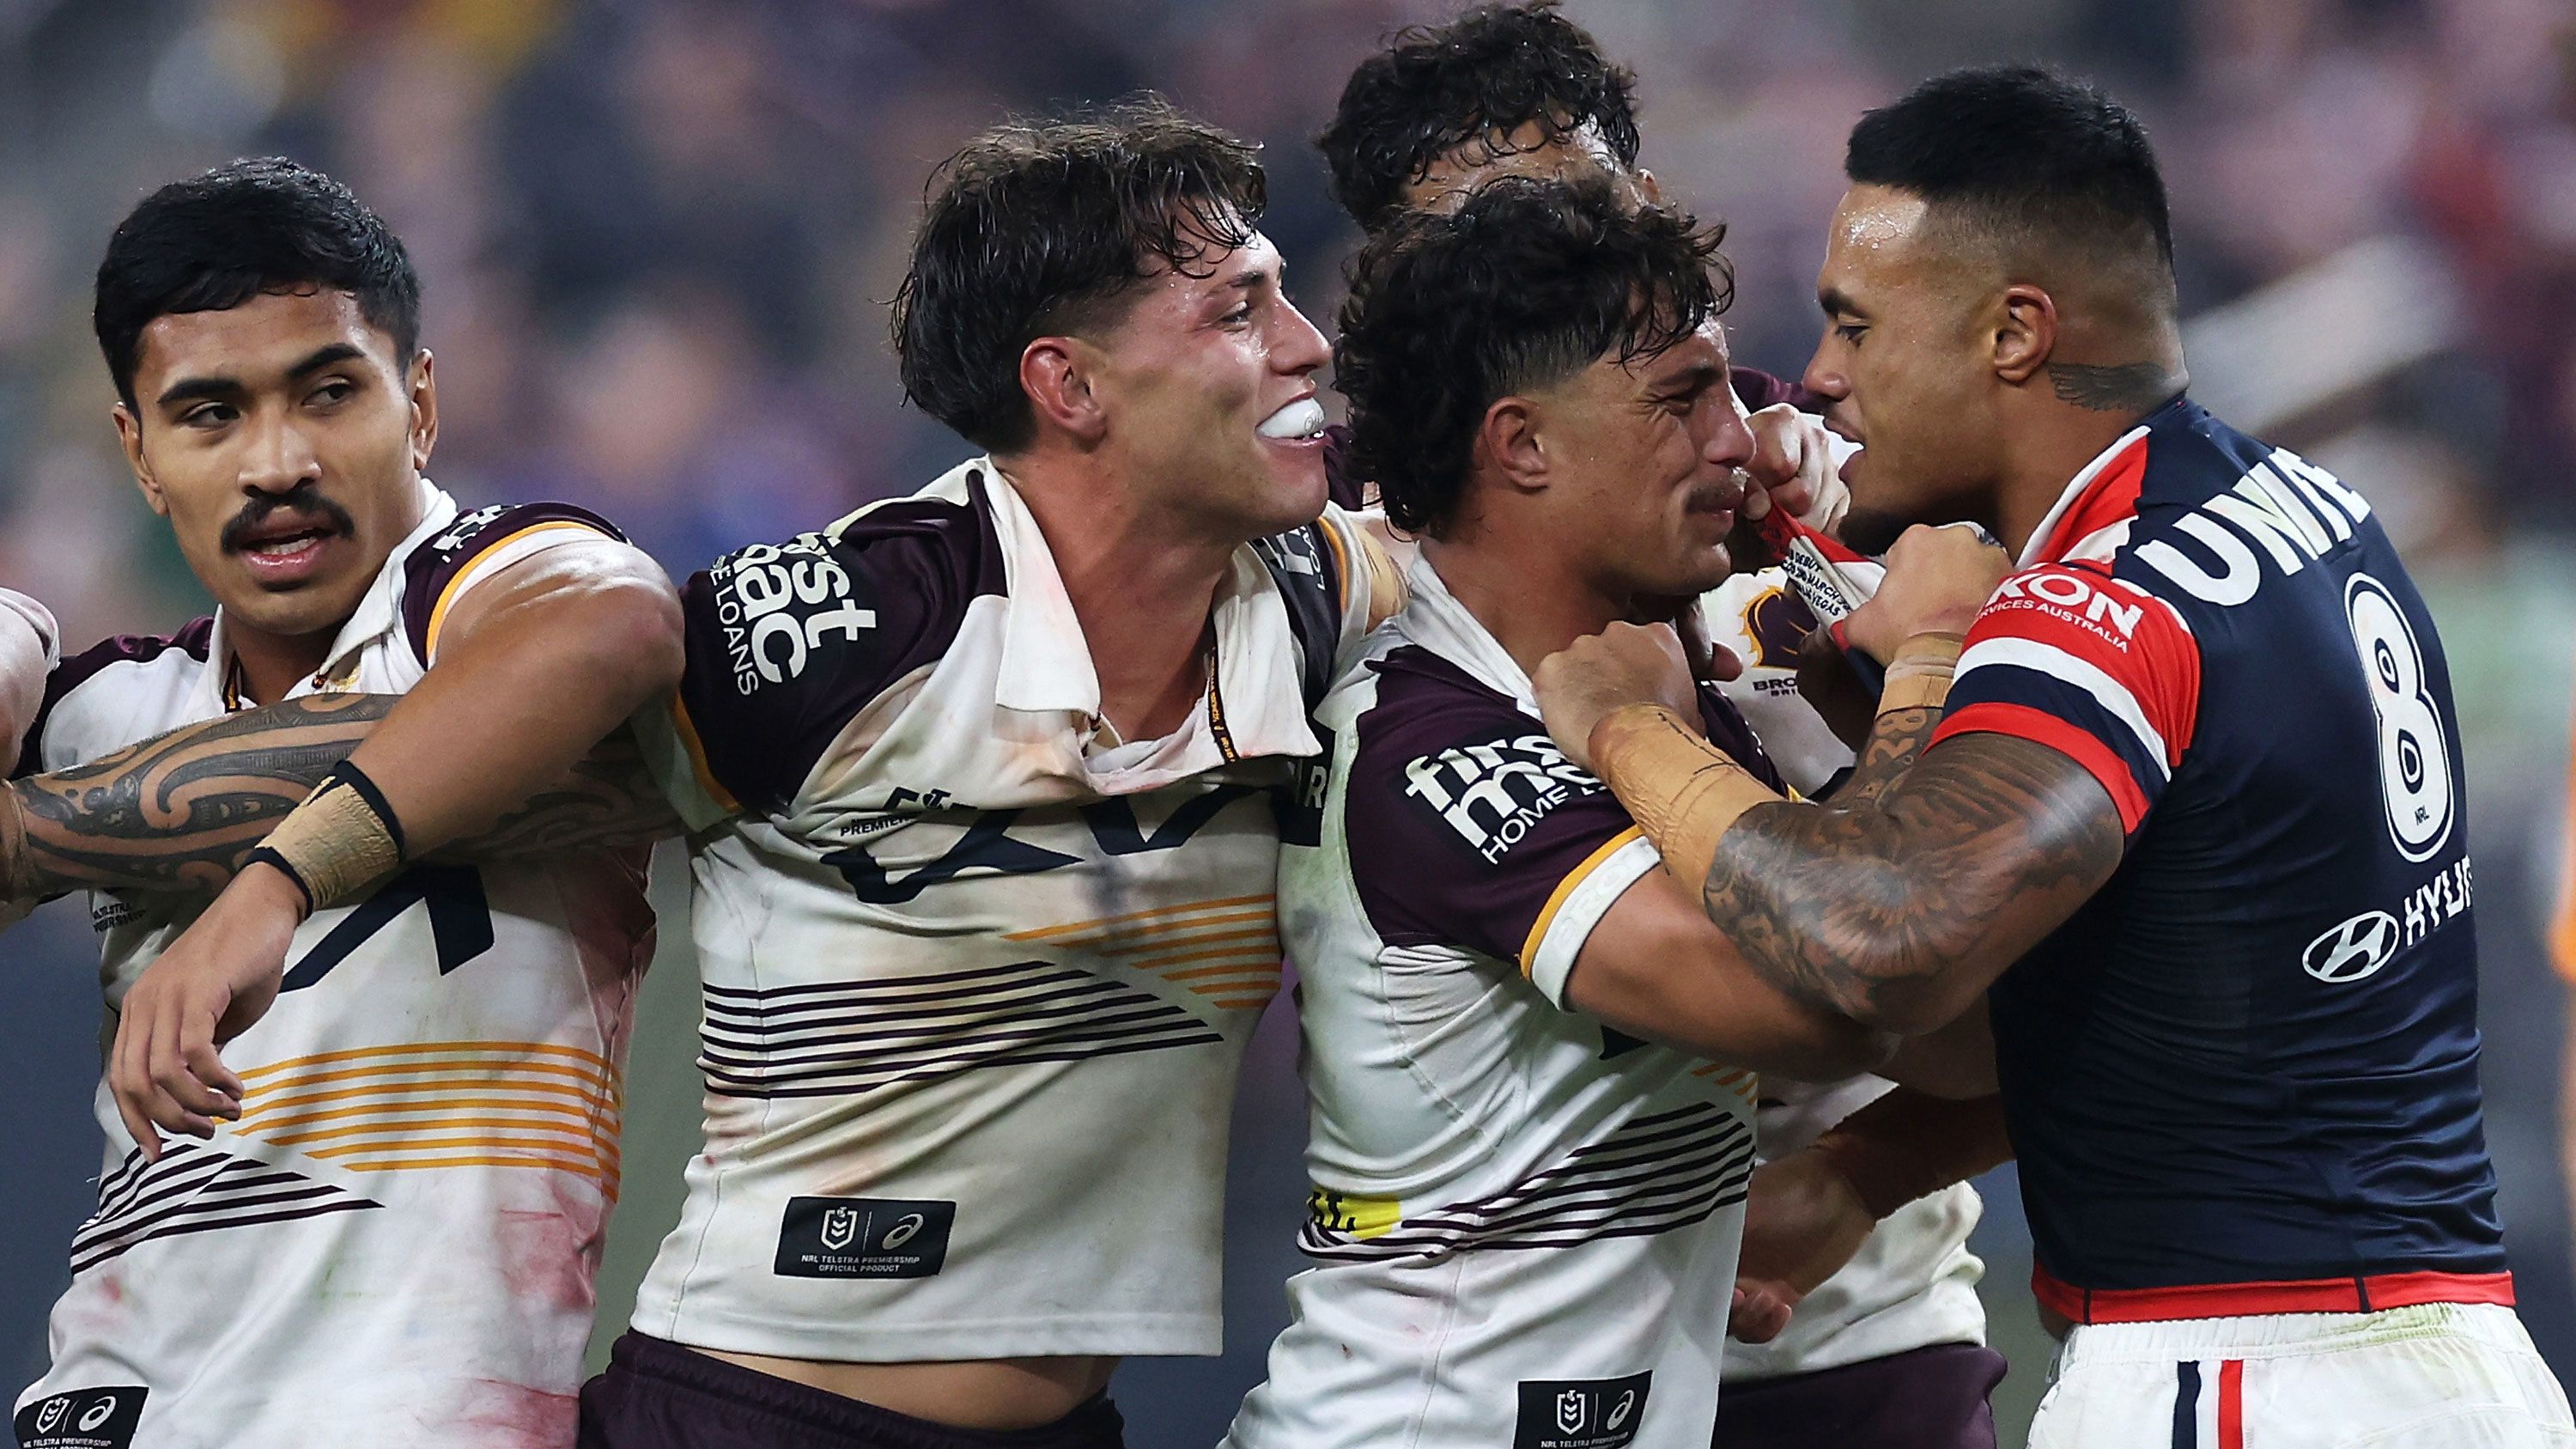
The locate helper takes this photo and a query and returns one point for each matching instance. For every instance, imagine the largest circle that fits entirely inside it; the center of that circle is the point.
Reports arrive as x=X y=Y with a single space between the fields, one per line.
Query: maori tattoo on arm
x=1898 y=908
x=178 y=812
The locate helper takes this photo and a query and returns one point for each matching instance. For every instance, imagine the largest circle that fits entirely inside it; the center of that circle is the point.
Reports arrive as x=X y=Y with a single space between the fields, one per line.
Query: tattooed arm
x=1901 y=910
x=178 y=812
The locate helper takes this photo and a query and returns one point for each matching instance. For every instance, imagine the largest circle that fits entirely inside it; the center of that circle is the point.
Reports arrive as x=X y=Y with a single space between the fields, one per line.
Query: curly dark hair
x=1526 y=285
x=1476 y=79
x=216 y=240
x=1040 y=228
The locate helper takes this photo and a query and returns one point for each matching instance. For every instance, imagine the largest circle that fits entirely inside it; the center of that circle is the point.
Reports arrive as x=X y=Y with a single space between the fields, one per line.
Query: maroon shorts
x=1927 y=1398
x=658 y=1395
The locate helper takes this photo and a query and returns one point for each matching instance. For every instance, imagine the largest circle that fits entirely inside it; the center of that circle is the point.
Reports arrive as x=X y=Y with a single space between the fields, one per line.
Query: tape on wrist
x=1919 y=676
x=263 y=855
x=340 y=841
x=1682 y=791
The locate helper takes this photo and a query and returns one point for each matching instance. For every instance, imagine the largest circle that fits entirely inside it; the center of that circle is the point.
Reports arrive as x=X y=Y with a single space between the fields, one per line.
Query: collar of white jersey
x=1434 y=619
x=379 y=612
x=1046 y=662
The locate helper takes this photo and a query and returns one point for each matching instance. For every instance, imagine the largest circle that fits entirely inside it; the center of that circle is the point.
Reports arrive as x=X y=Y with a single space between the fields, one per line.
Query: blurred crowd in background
x=657 y=239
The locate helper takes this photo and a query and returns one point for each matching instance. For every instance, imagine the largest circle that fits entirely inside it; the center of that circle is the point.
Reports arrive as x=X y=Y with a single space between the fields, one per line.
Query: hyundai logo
x=2354 y=949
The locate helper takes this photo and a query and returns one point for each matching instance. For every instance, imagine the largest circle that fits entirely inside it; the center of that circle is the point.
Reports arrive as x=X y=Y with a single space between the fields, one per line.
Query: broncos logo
x=1776 y=621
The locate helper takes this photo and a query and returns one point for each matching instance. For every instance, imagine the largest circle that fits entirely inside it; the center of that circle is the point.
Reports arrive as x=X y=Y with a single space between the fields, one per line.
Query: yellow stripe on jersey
x=457 y=581
x=1225 y=951
x=1104 y=923
x=1358 y=1217
x=441 y=1104
x=1565 y=888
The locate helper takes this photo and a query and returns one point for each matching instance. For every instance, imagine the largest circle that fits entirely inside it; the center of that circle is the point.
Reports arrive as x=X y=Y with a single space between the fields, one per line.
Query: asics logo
x=2353 y=950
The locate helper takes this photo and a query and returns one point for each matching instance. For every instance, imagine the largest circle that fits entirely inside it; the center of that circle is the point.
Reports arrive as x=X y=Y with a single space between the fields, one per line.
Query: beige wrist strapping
x=1919 y=676
x=17 y=872
x=1682 y=791
x=340 y=841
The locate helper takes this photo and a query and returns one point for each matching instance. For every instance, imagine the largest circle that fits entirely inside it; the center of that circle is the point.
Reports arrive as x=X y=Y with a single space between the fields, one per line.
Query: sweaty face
x=1645 y=468
x=1206 y=385
x=1906 y=364
x=1577 y=157
x=283 y=443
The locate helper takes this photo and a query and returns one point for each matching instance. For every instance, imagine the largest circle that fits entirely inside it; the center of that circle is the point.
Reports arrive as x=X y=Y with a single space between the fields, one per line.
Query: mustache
x=304 y=499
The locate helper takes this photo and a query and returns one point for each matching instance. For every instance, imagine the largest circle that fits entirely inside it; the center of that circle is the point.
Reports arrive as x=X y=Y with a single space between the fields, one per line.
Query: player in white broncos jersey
x=392 y=1229
x=988 y=785
x=1892 y=1344
x=1529 y=1172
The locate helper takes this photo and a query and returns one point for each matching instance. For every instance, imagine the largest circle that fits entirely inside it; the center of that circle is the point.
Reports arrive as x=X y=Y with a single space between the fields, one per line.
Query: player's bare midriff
x=993 y=1394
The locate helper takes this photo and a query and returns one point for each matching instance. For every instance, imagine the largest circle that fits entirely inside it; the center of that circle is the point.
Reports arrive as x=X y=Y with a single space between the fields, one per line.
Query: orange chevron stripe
x=584 y=1112
x=364 y=1129
x=1075 y=927
x=1267 y=967
x=1269 y=927
x=427 y=1048
x=487 y=1065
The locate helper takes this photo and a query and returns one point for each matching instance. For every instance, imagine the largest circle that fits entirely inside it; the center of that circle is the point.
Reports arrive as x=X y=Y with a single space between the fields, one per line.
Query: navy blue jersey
x=2243 y=1077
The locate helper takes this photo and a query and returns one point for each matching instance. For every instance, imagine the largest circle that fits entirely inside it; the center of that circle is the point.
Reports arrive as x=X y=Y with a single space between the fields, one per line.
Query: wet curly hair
x=1476 y=79
x=1527 y=284
x=1040 y=228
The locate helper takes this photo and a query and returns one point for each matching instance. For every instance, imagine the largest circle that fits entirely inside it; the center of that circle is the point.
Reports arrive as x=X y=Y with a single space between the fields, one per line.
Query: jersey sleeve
x=1468 y=828
x=49 y=636
x=789 y=643
x=474 y=548
x=2089 y=665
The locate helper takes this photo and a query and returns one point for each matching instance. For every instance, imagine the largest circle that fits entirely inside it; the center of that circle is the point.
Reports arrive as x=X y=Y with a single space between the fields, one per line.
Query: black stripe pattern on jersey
x=195 y=1189
x=1653 y=1175
x=847 y=1038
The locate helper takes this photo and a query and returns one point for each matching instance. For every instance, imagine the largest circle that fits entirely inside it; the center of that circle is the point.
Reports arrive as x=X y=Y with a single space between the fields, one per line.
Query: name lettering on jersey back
x=2285 y=506
x=1492 y=793
x=779 y=602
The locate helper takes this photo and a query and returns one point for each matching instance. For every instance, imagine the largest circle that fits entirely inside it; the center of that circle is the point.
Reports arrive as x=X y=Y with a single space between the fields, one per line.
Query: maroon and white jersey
x=396 y=1242
x=978 y=972
x=1524 y=1222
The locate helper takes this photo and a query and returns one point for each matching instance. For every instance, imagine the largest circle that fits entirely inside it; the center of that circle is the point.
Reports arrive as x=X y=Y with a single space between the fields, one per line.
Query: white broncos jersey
x=396 y=1242
x=1525 y=1222
x=1914 y=1282
x=978 y=976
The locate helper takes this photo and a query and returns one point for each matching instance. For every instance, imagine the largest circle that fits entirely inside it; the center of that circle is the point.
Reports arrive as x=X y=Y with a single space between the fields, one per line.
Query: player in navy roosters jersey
x=2192 y=813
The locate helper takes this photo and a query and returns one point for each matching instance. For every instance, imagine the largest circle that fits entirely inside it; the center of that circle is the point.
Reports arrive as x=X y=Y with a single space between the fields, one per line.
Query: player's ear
x=1511 y=442
x=2025 y=332
x=422 y=384
x=1649 y=187
x=129 y=436
x=1056 y=373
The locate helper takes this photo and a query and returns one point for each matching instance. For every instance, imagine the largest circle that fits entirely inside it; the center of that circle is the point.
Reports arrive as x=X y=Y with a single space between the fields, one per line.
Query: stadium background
x=657 y=238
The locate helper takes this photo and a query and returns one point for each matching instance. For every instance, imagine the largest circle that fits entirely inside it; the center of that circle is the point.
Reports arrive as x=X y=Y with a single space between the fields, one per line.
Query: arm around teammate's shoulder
x=1656 y=967
x=529 y=670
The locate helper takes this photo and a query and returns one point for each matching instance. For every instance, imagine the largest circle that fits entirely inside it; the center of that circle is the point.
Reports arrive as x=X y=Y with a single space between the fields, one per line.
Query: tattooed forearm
x=2137 y=387
x=1894 y=744
x=608 y=801
x=1899 y=910
x=176 y=812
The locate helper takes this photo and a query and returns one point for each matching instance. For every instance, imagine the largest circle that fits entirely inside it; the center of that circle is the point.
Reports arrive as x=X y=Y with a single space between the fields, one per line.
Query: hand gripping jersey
x=397 y=1240
x=1525 y=1222
x=2242 y=1079
x=1913 y=1283
x=978 y=976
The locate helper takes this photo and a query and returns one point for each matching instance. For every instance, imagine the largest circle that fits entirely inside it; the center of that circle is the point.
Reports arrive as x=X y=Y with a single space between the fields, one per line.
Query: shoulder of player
x=115 y=692
x=439 y=569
